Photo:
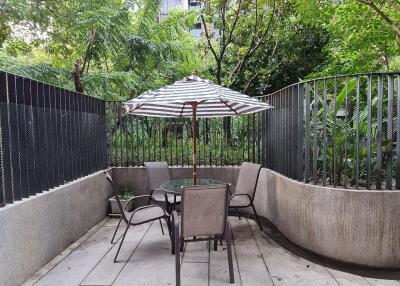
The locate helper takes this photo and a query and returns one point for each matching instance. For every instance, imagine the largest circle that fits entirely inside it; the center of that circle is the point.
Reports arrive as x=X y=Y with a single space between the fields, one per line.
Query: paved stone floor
x=260 y=258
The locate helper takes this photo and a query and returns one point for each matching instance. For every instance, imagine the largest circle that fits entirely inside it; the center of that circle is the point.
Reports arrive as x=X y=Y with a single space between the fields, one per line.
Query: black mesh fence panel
x=48 y=136
x=132 y=140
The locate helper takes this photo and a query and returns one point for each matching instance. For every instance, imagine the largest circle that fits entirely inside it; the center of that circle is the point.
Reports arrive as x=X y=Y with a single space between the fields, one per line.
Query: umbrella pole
x=194 y=139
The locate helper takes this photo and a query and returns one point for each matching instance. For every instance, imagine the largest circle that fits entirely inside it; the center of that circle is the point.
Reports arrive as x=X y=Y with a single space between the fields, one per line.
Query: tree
x=245 y=24
x=234 y=31
x=374 y=5
x=359 y=38
x=108 y=48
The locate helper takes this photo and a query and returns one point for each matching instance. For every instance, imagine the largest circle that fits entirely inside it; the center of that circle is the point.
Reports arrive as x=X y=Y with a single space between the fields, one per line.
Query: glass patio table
x=175 y=186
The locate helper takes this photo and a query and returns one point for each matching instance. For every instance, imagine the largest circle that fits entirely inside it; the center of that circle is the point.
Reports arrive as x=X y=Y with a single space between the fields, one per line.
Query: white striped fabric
x=175 y=101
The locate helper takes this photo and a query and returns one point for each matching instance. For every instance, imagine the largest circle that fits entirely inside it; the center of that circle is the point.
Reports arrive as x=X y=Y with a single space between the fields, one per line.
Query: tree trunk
x=227 y=130
x=226 y=120
x=77 y=77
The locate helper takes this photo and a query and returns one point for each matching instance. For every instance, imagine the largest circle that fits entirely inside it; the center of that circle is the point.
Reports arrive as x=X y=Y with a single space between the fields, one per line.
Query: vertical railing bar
x=315 y=134
x=283 y=141
x=248 y=138
x=149 y=137
x=242 y=143
x=334 y=131
x=253 y=137
x=398 y=135
x=160 y=145
x=300 y=134
x=294 y=130
x=357 y=143
x=307 y=136
x=379 y=134
x=291 y=111
x=131 y=129
x=273 y=130
x=282 y=147
x=288 y=134
x=222 y=135
x=182 y=140
x=204 y=162
x=125 y=132
x=137 y=149
x=278 y=126
x=259 y=134
x=345 y=130
x=168 y=141
x=176 y=142
x=389 y=133
x=369 y=127
x=325 y=143
x=154 y=136
x=143 y=141
x=121 y=130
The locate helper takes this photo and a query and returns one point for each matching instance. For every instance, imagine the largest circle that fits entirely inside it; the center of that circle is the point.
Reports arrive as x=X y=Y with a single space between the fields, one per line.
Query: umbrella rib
x=183 y=106
x=137 y=107
x=229 y=106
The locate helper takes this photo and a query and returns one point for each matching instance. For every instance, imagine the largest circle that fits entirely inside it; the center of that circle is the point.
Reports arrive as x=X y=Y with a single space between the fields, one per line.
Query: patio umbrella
x=194 y=98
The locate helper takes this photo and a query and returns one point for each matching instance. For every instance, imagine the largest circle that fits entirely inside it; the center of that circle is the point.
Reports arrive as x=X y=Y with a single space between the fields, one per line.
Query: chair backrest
x=116 y=195
x=247 y=180
x=204 y=210
x=157 y=173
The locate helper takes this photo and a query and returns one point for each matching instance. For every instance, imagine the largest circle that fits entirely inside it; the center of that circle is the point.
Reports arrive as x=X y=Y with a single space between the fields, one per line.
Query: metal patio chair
x=246 y=185
x=158 y=173
x=136 y=216
x=204 y=217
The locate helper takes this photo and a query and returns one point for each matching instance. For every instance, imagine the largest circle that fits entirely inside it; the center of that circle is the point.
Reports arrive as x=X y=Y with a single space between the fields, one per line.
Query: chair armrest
x=146 y=207
x=157 y=190
x=140 y=197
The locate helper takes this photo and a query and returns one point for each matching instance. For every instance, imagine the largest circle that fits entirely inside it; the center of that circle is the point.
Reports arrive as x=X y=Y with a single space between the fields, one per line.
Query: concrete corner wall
x=354 y=226
x=35 y=230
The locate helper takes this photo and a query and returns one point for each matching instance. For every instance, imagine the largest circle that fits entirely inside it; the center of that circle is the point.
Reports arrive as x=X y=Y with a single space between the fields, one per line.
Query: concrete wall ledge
x=36 y=229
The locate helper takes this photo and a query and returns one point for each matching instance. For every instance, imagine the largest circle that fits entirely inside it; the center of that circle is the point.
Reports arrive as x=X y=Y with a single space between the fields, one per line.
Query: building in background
x=168 y=5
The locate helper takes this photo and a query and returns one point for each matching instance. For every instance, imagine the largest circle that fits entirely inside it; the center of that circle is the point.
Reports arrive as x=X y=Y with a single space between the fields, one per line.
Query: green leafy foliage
x=123 y=47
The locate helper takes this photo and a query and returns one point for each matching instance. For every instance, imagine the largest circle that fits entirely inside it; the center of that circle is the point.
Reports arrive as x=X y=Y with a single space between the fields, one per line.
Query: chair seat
x=239 y=201
x=160 y=197
x=152 y=212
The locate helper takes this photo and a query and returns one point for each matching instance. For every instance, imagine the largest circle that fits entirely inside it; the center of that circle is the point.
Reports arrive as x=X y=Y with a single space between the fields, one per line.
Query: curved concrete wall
x=353 y=226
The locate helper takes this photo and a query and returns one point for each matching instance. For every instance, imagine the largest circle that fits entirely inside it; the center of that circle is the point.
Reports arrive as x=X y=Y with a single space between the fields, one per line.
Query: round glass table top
x=175 y=186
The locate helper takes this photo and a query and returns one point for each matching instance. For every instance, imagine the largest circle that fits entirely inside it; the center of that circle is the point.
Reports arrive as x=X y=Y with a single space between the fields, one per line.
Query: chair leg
x=177 y=256
x=120 y=244
x=215 y=243
x=116 y=229
x=256 y=215
x=162 y=229
x=229 y=250
x=173 y=236
x=238 y=214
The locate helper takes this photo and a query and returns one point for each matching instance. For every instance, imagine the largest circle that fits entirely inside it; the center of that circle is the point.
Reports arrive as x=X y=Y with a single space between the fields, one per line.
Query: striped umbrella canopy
x=193 y=97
